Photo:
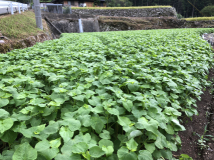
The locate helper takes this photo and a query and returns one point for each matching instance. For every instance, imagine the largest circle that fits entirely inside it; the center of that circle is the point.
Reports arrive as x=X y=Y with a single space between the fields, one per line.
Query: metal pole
x=19 y=9
x=80 y=26
x=38 y=14
x=11 y=7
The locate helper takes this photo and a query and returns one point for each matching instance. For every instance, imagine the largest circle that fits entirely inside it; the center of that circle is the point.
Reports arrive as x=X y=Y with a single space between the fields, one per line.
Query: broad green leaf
x=166 y=154
x=151 y=125
x=124 y=154
x=108 y=150
x=55 y=143
x=66 y=148
x=169 y=129
x=87 y=155
x=105 y=135
x=68 y=157
x=3 y=114
x=138 y=112
x=37 y=101
x=42 y=145
x=73 y=124
x=149 y=147
x=25 y=152
x=3 y=102
x=145 y=155
x=133 y=85
x=94 y=101
x=9 y=136
x=177 y=123
x=96 y=152
x=113 y=111
x=5 y=124
x=79 y=148
x=65 y=133
x=51 y=128
x=79 y=97
x=134 y=134
x=97 y=124
x=85 y=120
x=127 y=104
x=105 y=142
x=160 y=141
x=132 y=145
x=49 y=153
x=124 y=121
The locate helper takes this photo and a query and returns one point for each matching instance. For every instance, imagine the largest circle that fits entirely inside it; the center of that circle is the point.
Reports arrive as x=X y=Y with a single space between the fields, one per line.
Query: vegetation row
x=101 y=96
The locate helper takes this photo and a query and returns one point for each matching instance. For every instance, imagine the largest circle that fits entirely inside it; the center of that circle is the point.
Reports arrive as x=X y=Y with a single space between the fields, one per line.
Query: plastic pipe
x=80 y=26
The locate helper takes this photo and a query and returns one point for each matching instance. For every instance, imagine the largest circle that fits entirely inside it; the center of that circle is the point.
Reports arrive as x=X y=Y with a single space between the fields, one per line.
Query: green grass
x=18 y=26
x=142 y=7
x=199 y=19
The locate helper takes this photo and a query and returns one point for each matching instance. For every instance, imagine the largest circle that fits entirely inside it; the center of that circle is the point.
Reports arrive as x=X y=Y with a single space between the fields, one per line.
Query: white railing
x=11 y=7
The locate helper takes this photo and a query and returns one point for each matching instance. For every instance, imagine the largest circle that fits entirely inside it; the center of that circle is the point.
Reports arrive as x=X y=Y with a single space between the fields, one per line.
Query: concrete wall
x=148 y=12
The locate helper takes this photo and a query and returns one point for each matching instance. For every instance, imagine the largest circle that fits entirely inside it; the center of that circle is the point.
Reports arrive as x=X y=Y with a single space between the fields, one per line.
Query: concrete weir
x=69 y=23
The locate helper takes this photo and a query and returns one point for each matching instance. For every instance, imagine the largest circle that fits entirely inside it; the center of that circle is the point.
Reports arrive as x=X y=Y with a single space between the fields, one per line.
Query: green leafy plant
x=103 y=96
x=202 y=142
x=185 y=157
x=179 y=16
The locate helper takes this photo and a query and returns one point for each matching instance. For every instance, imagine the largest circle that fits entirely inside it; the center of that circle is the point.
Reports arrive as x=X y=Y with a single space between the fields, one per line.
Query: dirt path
x=198 y=139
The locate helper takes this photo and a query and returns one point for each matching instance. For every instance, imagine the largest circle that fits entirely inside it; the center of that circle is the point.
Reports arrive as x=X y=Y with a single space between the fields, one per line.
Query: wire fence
x=10 y=7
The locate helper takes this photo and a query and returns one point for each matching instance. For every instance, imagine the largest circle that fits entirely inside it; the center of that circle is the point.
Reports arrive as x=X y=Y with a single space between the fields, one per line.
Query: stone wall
x=147 y=12
x=128 y=23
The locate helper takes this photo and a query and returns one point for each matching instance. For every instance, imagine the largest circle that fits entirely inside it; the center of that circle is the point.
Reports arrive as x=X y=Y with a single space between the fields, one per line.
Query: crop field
x=102 y=96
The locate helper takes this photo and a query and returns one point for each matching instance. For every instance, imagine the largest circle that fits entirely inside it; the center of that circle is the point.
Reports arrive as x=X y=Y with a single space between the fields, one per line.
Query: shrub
x=208 y=11
x=66 y=10
x=179 y=16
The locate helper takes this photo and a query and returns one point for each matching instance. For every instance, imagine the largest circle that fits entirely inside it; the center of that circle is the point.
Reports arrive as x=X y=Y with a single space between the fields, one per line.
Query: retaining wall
x=146 y=12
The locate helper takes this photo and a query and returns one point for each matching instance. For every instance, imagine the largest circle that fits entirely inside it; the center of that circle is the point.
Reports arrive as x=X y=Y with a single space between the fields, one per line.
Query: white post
x=11 y=7
x=80 y=26
x=22 y=7
x=19 y=9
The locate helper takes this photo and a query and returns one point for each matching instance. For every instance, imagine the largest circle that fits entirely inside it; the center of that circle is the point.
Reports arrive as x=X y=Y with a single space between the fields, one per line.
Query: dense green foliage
x=208 y=11
x=103 y=96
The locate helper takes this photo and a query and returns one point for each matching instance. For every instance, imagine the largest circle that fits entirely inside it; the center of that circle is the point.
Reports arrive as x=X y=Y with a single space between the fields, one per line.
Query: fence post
x=19 y=9
x=38 y=14
x=11 y=7
x=22 y=8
